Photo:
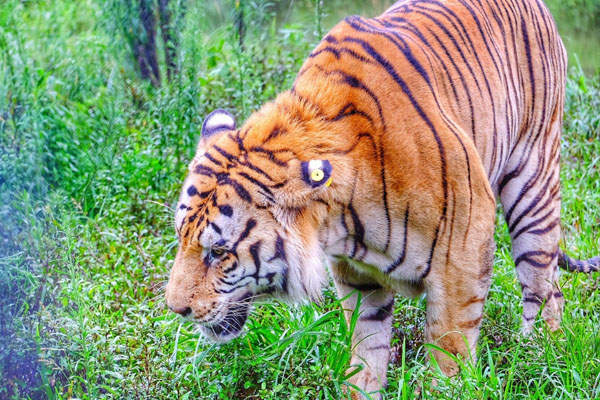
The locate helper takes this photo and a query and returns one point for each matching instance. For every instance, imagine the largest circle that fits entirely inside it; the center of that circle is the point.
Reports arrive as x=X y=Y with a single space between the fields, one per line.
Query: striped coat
x=385 y=161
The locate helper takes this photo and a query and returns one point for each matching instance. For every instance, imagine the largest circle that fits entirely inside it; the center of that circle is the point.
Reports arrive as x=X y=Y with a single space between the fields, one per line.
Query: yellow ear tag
x=329 y=181
x=317 y=175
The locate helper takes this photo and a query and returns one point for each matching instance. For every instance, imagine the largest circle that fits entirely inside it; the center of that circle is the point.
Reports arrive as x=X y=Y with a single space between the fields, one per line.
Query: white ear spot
x=220 y=119
x=217 y=121
x=315 y=164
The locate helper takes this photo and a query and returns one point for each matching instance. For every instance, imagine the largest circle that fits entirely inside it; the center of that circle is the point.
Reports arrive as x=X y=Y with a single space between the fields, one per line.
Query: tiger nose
x=184 y=311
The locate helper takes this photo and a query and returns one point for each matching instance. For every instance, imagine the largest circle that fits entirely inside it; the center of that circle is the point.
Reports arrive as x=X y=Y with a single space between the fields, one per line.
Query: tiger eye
x=217 y=251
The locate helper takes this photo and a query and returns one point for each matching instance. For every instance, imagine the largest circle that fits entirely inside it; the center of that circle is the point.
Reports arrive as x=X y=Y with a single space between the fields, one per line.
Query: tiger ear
x=217 y=121
x=214 y=124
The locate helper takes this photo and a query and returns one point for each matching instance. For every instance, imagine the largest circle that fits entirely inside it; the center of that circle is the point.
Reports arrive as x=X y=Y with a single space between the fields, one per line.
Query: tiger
x=382 y=164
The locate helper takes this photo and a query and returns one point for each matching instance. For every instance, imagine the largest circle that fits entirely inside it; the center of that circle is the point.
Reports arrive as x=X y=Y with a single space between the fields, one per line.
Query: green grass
x=91 y=160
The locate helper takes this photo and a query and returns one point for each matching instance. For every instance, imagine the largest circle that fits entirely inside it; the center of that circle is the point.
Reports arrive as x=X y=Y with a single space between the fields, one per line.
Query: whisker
x=169 y=208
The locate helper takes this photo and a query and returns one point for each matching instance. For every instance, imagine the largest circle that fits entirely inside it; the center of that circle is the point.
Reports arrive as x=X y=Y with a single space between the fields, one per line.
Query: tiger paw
x=368 y=382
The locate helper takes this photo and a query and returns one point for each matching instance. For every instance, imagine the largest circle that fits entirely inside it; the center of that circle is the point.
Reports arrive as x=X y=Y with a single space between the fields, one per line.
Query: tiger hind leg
x=530 y=195
x=535 y=252
x=535 y=256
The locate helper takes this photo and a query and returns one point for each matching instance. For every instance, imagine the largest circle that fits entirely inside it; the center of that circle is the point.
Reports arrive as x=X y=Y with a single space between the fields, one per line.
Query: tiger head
x=246 y=222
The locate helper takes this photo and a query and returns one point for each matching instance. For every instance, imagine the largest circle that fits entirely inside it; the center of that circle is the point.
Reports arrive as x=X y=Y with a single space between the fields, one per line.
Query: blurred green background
x=578 y=22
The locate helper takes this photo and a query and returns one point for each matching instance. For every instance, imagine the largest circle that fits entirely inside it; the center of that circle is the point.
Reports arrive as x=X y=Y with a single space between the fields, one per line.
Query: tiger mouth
x=231 y=325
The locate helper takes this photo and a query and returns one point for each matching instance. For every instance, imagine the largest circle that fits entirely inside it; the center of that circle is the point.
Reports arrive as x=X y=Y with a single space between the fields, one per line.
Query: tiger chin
x=384 y=163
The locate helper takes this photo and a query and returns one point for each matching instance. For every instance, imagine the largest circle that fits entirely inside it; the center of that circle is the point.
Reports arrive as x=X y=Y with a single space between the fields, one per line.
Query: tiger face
x=239 y=235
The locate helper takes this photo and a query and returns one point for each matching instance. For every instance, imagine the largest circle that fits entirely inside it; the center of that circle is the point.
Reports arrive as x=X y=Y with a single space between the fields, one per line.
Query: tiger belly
x=406 y=288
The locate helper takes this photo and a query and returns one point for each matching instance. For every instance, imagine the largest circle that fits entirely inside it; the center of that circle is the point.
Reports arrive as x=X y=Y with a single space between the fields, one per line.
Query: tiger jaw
x=230 y=326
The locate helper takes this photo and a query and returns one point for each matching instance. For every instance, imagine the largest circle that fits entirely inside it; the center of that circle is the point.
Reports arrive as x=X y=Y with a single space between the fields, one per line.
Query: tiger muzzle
x=230 y=326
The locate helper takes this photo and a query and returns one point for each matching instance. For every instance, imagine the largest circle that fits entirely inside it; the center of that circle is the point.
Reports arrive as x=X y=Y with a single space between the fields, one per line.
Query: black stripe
x=270 y=155
x=230 y=157
x=528 y=258
x=258 y=183
x=225 y=179
x=532 y=299
x=231 y=268
x=359 y=230
x=279 y=250
x=214 y=160
x=215 y=227
x=349 y=110
x=204 y=170
x=226 y=210
x=255 y=253
x=363 y=287
x=400 y=259
x=380 y=314
x=250 y=224
x=192 y=191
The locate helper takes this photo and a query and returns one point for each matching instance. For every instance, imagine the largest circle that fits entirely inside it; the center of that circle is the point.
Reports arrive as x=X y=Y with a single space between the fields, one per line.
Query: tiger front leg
x=372 y=333
x=455 y=300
